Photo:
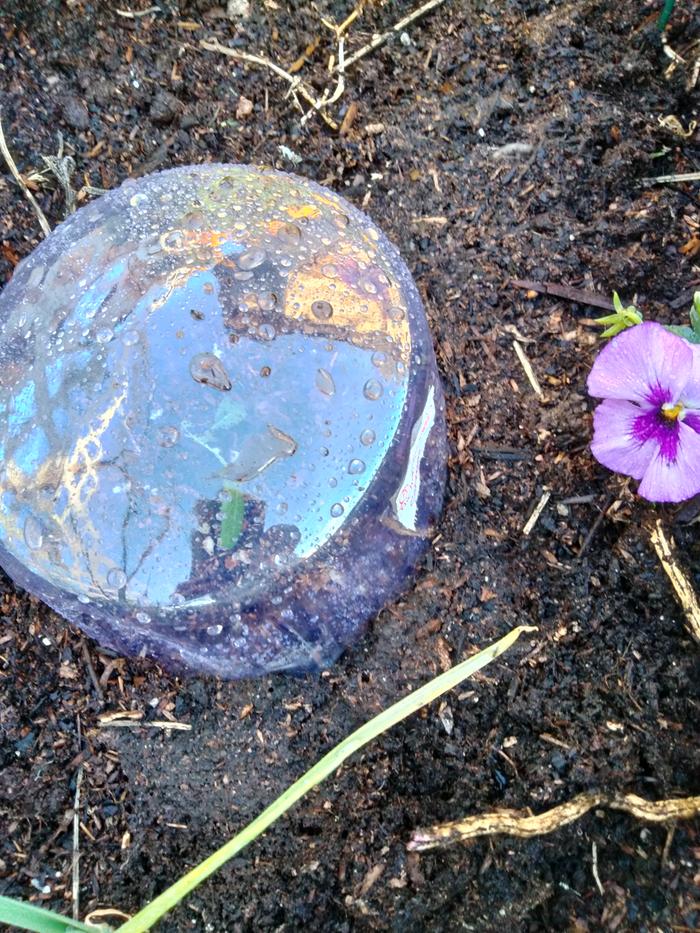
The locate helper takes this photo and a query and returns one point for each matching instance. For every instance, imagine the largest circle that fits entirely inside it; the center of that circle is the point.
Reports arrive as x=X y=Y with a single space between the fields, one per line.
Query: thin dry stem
x=75 y=888
x=379 y=40
x=296 y=85
x=43 y=222
x=665 y=548
x=527 y=367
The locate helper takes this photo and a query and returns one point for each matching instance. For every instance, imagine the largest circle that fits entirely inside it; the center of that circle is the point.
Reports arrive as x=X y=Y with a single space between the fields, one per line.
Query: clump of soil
x=601 y=697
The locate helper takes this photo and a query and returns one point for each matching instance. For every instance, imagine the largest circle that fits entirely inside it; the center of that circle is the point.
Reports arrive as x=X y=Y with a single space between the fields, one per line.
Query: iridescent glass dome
x=221 y=425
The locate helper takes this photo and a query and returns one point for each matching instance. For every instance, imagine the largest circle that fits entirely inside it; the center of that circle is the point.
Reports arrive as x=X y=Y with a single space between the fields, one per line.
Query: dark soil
x=601 y=697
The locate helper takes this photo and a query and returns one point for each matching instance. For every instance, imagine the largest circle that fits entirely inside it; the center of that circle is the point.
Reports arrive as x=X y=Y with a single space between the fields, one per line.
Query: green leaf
x=688 y=333
x=620 y=319
x=665 y=15
x=232 y=522
x=695 y=313
x=28 y=917
x=152 y=912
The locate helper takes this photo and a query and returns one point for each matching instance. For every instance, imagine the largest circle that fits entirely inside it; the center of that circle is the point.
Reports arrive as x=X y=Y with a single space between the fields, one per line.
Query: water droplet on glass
x=251 y=259
x=337 y=510
x=168 y=436
x=209 y=370
x=379 y=358
x=130 y=338
x=143 y=618
x=138 y=200
x=329 y=270
x=267 y=301
x=116 y=578
x=394 y=313
x=368 y=437
x=373 y=389
x=104 y=335
x=289 y=234
x=324 y=382
x=173 y=240
x=266 y=332
x=323 y=310
x=194 y=220
x=356 y=466
x=36 y=275
x=214 y=630
x=33 y=535
x=366 y=284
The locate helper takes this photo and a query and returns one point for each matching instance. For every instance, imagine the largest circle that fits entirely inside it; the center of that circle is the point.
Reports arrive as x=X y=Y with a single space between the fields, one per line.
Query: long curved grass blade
x=151 y=913
x=26 y=916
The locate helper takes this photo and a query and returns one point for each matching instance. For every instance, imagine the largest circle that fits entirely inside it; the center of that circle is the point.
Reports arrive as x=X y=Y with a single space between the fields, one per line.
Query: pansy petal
x=615 y=441
x=691 y=393
x=674 y=480
x=692 y=420
x=647 y=364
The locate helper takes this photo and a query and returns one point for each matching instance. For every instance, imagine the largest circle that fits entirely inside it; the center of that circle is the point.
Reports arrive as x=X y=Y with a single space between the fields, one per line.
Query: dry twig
x=665 y=548
x=43 y=222
x=379 y=40
x=76 y=846
x=153 y=724
x=527 y=367
x=296 y=85
x=539 y=508
x=670 y=179
x=523 y=823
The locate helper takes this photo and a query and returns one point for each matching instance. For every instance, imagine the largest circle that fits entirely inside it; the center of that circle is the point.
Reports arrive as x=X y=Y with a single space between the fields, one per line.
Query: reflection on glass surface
x=223 y=434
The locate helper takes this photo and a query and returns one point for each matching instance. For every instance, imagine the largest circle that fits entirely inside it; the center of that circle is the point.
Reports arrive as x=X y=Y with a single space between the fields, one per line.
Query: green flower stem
x=152 y=912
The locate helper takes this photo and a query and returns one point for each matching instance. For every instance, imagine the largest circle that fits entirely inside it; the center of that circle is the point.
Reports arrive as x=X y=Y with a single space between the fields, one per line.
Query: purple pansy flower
x=648 y=424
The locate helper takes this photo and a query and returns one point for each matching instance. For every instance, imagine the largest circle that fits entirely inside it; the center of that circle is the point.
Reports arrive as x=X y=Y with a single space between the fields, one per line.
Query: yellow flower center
x=672 y=411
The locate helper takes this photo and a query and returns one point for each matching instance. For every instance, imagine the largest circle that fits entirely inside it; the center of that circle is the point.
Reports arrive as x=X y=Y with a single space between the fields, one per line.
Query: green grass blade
x=152 y=912
x=232 y=522
x=28 y=917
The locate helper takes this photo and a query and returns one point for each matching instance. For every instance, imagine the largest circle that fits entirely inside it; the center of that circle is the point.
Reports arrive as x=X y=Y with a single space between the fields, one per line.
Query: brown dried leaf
x=691 y=248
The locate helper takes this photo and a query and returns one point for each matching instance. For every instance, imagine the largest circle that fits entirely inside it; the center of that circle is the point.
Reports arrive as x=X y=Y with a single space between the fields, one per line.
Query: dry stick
x=534 y=518
x=76 y=846
x=596 y=876
x=153 y=724
x=669 y=179
x=43 y=222
x=594 y=527
x=383 y=37
x=325 y=100
x=135 y=14
x=523 y=824
x=665 y=548
x=529 y=371
x=295 y=84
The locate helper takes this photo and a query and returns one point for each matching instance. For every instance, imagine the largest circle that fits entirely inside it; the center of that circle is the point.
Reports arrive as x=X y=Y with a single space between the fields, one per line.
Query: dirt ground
x=602 y=697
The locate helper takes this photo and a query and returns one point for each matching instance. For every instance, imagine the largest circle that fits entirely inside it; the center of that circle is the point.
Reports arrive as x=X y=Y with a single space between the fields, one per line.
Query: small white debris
x=446 y=717
x=405 y=40
x=511 y=150
x=244 y=108
x=238 y=9
x=290 y=155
